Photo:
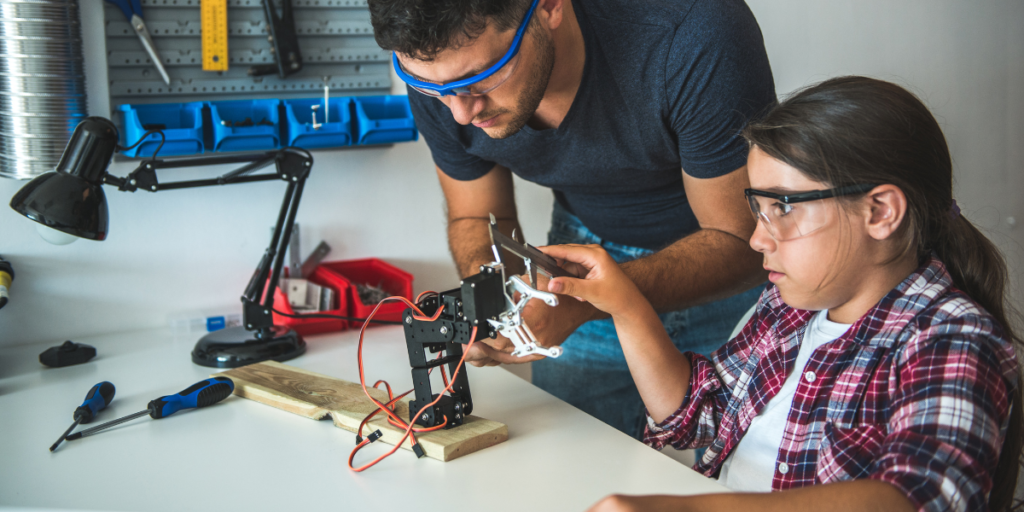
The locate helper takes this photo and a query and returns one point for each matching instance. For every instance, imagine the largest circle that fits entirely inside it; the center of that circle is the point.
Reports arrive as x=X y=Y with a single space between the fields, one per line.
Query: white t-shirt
x=751 y=465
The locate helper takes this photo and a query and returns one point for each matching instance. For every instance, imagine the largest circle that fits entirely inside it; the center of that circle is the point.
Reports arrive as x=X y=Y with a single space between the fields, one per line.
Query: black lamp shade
x=70 y=198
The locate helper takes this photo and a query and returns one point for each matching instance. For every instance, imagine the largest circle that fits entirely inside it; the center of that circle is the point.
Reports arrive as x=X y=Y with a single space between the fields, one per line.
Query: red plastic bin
x=307 y=326
x=375 y=272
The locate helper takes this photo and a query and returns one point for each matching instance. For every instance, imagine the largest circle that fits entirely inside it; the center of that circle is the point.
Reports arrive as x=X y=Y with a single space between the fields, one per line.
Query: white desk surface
x=239 y=454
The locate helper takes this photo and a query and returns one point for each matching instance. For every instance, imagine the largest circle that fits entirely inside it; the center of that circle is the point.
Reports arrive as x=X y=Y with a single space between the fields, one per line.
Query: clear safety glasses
x=789 y=216
x=482 y=83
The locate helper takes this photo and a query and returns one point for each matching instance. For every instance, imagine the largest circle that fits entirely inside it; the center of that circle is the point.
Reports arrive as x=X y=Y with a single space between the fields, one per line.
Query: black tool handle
x=203 y=393
x=97 y=399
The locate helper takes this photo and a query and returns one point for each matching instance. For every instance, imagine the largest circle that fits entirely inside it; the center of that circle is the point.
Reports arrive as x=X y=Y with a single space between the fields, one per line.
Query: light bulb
x=53 y=236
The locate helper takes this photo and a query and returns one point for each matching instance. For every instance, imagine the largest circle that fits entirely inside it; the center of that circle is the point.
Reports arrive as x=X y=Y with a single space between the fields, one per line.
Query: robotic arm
x=487 y=301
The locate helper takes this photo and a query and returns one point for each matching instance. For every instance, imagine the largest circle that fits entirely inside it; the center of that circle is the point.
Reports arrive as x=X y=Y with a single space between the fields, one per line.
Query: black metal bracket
x=480 y=297
x=284 y=42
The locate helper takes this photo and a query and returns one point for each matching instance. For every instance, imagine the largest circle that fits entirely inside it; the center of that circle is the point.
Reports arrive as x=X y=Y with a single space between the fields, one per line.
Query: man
x=631 y=112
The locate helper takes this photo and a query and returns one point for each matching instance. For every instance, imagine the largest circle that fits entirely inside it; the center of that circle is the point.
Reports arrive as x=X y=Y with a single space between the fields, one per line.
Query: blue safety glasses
x=482 y=83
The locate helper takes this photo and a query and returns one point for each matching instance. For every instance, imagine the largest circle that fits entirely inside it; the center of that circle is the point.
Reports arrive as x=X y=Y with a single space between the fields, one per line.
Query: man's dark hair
x=424 y=28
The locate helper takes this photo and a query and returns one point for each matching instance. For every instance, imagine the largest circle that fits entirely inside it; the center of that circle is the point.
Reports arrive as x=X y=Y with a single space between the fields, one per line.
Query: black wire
x=163 y=139
x=339 y=317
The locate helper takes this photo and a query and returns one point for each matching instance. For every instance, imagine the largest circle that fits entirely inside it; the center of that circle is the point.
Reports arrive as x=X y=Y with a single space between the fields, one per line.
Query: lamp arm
x=293 y=166
x=144 y=176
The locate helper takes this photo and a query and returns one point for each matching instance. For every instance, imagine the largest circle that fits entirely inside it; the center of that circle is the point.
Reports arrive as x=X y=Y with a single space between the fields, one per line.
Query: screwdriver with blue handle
x=201 y=394
x=97 y=399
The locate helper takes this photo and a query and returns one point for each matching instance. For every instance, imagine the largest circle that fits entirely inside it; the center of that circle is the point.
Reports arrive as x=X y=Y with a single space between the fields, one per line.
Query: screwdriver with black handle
x=201 y=394
x=97 y=399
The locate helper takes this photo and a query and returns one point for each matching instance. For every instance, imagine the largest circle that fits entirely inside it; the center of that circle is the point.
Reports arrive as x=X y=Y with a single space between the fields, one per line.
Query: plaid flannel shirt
x=917 y=393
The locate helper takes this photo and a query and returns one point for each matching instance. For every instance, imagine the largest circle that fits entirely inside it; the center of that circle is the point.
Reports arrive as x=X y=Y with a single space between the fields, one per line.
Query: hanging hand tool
x=97 y=399
x=284 y=42
x=201 y=394
x=213 y=19
x=132 y=10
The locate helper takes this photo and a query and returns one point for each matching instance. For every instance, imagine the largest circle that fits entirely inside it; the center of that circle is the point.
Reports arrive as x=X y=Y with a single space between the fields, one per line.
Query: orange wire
x=393 y=417
x=392 y=399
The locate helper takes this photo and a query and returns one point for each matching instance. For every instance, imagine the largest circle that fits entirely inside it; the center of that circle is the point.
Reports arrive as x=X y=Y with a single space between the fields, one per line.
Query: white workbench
x=240 y=454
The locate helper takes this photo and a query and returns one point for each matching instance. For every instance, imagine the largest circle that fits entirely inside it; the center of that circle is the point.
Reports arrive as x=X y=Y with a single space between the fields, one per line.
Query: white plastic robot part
x=510 y=324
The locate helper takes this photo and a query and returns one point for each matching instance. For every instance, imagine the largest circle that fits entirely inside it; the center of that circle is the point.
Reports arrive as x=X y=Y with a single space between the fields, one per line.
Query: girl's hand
x=603 y=284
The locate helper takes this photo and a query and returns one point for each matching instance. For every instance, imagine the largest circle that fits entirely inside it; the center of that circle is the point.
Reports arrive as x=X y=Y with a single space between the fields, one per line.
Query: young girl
x=879 y=362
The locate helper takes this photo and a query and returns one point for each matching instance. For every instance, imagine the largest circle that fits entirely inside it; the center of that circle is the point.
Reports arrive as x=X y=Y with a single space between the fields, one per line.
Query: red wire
x=392 y=399
x=393 y=417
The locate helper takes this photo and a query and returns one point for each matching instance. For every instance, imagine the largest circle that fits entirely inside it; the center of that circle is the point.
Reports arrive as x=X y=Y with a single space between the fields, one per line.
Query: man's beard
x=532 y=94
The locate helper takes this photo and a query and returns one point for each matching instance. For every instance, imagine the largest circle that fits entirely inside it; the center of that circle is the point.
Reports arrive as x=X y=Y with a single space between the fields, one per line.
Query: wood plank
x=317 y=396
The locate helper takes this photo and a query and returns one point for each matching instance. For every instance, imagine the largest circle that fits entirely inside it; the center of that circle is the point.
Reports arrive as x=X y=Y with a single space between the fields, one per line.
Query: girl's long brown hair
x=853 y=130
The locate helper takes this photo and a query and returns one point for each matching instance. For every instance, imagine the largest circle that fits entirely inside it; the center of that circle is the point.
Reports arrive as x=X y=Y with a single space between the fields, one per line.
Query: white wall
x=191 y=249
x=964 y=59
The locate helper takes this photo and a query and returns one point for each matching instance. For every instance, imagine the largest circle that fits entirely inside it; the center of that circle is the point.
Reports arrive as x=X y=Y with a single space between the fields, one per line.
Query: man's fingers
x=496 y=357
x=477 y=356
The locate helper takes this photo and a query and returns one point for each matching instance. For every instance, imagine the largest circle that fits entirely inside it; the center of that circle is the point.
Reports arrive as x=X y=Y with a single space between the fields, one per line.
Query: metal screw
x=248 y=326
x=133 y=182
x=444 y=329
x=153 y=187
x=458 y=416
x=149 y=166
x=266 y=311
x=458 y=407
x=425 y=417
x=408 y=320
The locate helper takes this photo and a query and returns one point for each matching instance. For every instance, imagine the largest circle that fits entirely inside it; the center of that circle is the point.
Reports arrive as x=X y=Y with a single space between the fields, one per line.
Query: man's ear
x=552 y=11
x=887 y=207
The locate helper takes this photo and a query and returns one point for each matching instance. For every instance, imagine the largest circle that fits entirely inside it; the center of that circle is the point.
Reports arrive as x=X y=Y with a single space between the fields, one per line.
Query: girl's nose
x=762 y=241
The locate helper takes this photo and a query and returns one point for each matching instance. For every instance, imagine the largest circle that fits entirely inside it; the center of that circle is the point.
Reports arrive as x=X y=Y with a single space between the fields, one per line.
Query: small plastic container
x=384 y=119
x=181 y=123
x=332 y=133
x=307 y=326
x=374 y=272
x=193 y=325
x=261 y=120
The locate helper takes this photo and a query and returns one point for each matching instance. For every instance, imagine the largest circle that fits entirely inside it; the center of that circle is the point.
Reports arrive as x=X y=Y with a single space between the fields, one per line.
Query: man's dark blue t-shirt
x=667 y=86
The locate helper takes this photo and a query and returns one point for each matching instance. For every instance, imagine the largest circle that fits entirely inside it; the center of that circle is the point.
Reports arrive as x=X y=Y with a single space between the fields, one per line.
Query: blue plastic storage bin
x=335 y=132
x=182 y=124
x=262 y=134
x=384 y=119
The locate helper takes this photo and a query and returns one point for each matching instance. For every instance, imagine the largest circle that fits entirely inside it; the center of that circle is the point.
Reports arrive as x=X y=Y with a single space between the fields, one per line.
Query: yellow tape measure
x=214 y=16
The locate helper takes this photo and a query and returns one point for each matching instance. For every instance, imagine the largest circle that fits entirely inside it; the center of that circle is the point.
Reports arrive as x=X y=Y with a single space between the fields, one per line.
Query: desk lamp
x=70 y=200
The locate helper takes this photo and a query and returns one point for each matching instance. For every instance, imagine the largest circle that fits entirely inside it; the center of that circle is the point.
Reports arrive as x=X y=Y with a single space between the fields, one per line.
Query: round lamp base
x=235 y=346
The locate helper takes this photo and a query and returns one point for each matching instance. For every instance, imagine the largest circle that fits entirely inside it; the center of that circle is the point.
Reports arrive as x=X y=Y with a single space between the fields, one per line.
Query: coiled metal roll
x=42 y=83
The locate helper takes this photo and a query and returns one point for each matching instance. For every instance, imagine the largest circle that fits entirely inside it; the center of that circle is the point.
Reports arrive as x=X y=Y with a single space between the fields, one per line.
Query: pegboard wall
x=335 y=39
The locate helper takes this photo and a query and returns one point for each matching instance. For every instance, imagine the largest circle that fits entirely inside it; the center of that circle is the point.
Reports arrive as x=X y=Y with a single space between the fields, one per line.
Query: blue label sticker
x=214 y=323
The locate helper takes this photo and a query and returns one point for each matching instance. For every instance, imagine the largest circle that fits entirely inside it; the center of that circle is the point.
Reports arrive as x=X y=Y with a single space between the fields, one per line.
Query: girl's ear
x=887 y=206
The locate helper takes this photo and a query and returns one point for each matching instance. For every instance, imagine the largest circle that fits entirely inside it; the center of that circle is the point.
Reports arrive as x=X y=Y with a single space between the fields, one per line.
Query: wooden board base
x=318 y=396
